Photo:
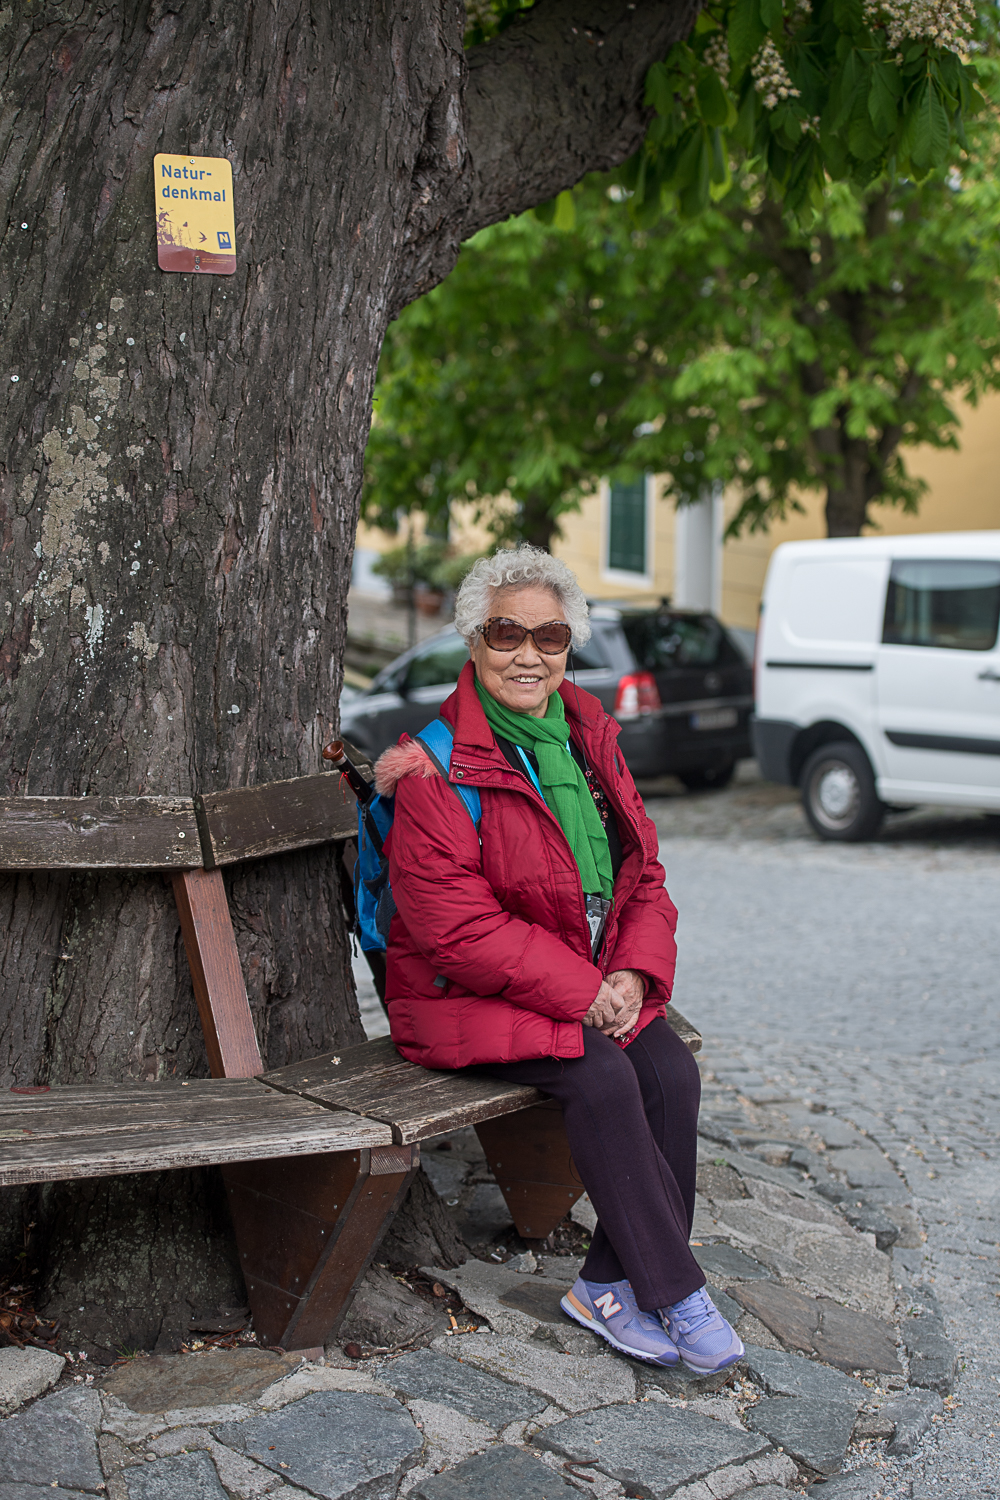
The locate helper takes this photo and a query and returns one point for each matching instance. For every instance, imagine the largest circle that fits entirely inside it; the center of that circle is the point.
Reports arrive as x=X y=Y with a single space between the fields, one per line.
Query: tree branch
x=560 y=94
x=517 y=120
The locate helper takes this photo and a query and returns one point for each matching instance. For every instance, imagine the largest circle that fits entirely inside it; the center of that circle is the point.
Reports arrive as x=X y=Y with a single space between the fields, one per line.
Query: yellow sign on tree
x=195 y=224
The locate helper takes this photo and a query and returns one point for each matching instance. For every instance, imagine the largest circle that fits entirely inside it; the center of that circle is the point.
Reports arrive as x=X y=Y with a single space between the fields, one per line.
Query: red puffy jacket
x=489 y=953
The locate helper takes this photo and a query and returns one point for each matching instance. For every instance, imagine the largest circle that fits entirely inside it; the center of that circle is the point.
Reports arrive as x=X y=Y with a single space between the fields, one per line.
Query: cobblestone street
x=865 y=977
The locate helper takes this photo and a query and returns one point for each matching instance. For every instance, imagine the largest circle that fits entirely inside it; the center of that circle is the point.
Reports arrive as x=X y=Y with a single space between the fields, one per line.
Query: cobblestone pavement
x=866 y=977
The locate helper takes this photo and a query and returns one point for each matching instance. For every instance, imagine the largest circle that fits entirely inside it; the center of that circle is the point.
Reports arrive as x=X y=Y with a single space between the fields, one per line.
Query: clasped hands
x=618 y=1003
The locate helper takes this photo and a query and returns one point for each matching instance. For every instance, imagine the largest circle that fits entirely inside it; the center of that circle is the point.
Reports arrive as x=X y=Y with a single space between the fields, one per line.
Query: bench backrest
x=174 y=833
x=189 y=838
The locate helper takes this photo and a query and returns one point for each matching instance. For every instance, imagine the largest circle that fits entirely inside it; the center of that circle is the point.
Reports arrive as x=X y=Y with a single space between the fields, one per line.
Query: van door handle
x=989 y=675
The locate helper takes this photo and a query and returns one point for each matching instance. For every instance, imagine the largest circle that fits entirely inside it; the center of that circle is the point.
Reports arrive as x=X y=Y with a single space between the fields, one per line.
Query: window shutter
x=627 y=527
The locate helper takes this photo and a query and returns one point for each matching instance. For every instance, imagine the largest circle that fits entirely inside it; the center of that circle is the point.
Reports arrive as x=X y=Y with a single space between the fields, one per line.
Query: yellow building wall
x=467 y=531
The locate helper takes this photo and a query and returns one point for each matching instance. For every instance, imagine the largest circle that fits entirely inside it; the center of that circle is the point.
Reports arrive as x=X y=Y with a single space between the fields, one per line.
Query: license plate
x=715 y=718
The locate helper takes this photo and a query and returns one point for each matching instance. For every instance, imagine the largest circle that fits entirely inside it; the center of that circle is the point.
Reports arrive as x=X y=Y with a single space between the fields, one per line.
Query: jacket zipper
x=529 y=786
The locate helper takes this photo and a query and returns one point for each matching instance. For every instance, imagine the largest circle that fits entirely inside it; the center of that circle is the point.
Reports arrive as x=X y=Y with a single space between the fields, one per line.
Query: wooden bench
x=318 y=1156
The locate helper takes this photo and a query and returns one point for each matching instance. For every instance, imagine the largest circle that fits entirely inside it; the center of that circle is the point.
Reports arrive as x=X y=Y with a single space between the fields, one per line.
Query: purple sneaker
x=610 y=1309
x=704 y=1339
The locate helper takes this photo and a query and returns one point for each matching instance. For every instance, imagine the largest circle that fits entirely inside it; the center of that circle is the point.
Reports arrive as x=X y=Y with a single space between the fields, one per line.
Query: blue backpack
x=372 y=891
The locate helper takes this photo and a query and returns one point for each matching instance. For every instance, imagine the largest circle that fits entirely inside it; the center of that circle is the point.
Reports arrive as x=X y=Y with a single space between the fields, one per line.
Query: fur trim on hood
x=398 y=761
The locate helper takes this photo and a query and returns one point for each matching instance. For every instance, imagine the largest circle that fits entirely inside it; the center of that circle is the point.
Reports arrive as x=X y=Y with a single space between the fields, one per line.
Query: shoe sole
x=592 y=1326
x=713 y=1369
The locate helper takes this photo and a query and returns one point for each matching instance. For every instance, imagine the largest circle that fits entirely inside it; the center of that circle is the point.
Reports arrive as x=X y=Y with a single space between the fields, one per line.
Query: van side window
x=955 y=605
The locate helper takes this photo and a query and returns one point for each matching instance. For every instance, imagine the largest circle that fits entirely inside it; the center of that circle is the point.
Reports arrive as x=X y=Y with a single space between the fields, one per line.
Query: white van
x=878 y=676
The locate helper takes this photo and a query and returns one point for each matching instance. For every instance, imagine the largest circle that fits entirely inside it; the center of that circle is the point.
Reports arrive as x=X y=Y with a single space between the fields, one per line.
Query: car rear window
x=955 y=605
x=667 y=640
x=440 y=662
x=590 y=657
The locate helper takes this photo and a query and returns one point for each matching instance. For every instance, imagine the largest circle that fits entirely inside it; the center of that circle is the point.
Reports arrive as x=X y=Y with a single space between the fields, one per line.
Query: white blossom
x=771 y=78
x=716 y=55
x=945 y=23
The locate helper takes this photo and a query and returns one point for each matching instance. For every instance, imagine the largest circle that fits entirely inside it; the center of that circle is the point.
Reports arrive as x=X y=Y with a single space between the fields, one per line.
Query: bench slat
x=272 y=819
x=77 y=1131
x=98 y=833
x=373 y=1080
x=689 y=1035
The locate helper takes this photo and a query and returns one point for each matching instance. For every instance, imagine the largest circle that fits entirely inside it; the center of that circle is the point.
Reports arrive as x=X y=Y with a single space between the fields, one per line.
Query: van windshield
x=953 y=605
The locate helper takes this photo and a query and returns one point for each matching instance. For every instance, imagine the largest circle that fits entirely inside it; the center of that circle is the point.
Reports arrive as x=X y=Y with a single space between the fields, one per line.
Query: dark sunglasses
x=550 y=639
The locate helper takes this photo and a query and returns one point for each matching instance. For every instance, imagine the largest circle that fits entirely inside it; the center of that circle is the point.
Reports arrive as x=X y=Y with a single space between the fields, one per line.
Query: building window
x=627 y=541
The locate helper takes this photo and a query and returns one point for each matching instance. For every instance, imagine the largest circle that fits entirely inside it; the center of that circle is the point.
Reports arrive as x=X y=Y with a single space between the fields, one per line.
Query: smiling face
x=525 y=679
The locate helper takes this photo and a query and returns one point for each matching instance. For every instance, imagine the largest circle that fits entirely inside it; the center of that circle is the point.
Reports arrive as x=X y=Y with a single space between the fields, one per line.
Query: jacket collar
x=464 y=712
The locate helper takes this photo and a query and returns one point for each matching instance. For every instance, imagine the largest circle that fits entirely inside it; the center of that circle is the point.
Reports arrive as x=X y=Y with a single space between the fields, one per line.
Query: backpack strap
x=437 y=739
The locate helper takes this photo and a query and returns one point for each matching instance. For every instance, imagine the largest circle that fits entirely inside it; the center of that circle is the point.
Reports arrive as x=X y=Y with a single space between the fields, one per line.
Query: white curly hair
x=520 y=567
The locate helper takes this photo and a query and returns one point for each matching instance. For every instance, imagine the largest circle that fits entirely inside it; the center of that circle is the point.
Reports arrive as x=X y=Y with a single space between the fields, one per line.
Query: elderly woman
x=541 y=947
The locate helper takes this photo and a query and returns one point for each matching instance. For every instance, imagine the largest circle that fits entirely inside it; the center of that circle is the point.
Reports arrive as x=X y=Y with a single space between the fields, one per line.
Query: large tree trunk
x=181 y=467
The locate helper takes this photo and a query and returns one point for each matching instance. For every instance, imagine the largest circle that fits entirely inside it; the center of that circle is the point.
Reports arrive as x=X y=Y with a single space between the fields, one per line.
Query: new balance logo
x=606 y=1302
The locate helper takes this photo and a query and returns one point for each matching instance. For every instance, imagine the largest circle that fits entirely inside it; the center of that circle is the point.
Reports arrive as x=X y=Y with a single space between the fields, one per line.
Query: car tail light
x=637 y=694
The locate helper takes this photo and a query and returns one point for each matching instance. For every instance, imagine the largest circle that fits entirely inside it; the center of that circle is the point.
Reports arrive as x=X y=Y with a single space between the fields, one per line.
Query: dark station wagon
x=677 y=681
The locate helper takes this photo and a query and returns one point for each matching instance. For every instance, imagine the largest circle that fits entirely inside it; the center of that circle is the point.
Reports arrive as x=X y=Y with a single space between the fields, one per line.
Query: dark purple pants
x=632 y=1120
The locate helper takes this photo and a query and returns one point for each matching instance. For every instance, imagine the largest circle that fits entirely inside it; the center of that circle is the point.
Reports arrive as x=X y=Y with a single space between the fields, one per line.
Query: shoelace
x=694 y=1318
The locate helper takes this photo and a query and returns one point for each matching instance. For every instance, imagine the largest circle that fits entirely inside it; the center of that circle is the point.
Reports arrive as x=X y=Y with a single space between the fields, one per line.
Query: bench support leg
x=529 y=1156
x=308 y=1228
x=214 y=960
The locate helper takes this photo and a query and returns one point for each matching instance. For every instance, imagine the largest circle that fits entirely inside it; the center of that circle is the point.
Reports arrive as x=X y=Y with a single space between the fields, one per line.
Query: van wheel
x=708 y=778
x=838 y=793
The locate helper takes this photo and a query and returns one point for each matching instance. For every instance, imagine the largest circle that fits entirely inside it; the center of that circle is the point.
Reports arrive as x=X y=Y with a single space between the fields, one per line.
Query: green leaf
x=720 y=160
x=803 y=175
x=863 y=140
x=746 y=32
x=785 y=124
x=743 y=130
x=639 y=186
x=772 y=14
x=545 y=212
x=929 y=132
x=660 y=88
x=848 y=16
x=565 y=214
x=883 y=107
x=686 y=167
x=712 y=99
x=694 y=197
x=853 y=85
x=948 y=69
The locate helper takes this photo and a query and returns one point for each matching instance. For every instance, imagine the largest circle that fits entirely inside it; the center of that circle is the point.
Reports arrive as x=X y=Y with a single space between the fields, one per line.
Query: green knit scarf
x=563 y=784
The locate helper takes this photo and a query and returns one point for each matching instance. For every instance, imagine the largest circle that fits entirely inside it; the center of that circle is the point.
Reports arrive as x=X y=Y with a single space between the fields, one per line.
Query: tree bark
x=846 y=508
x=561 y=94
x=536 y=524
x=180 y=472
